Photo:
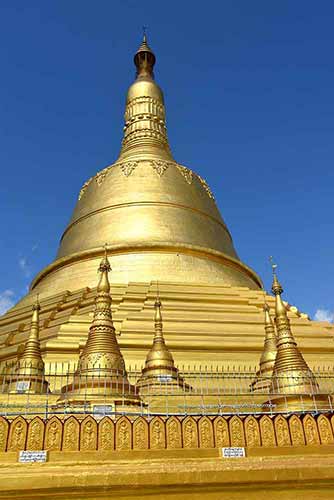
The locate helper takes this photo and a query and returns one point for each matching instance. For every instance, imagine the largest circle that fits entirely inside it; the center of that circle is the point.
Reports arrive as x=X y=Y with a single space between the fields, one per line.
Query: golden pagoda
x=101 y=375
x=29 y=374
x=159 y=365
x=292 y=379
x=162 y=224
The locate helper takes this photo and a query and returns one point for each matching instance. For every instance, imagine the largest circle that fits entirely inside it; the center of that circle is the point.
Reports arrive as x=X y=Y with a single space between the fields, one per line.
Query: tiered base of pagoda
x=90 y=395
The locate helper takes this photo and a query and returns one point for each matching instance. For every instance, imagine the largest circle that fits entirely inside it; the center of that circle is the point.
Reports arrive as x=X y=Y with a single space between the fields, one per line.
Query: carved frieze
x=35 y=434
x=71 y=435
x=311 y=430
x=84 y=187
x=186 y=173
x=157 y=433
x=282 y=431
x=140 y=434
x=190 y=433
x=222 y=437
x=128 y=167
x=206 y=187
x=53 y=434
x=252 y=432
x=205 y=433
x=173 y=430
x=106 y=434
x=3 y=433
x=100 y=176
x=325 y=431
x=88 y=434
x=123 y=434
x=17 y=434
x=237 y=432
x=296 y=430
x=267 y=431
x=160 y=166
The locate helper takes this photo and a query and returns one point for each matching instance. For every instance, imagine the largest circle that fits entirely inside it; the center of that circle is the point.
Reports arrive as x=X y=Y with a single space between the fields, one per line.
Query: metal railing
x=198 y=390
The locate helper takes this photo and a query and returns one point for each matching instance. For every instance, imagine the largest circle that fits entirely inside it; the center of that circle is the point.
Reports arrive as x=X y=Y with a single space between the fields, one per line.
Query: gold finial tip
x=36 y=306
x=105 y=264
x=276 y=286
x=157 y=302
x=144 y=47
x=105 y=250
x=144 y=58
x=145 y=34
x=273 y=266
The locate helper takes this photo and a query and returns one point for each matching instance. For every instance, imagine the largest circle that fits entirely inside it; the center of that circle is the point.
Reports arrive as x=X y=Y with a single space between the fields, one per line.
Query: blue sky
x=249 y=96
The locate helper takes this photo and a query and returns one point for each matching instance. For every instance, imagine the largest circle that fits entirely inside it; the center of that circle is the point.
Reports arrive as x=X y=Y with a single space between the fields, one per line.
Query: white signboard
x=22 y=385
x=33 y=456
x=233 y=452
x=103 y=409
x=165 y=378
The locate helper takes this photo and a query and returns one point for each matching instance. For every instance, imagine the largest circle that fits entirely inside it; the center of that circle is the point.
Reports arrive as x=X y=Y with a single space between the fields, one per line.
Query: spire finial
x=276 y=286
x=158 y=337
x=105 y=264
x=273 y=265
x=145 y=131
x=157 y=299
x=36 y=306
x=145 y=28
x=144 y=59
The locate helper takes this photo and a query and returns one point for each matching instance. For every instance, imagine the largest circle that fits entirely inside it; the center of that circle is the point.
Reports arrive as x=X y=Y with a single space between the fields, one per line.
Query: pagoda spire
x=30 y=366
x=145 y=133
x=32 y=348
x=101 y=369
x=159 y=365
x=268 y=356
x=159 y=355
x=101 y=352
x=291 y=374
x=144 y=60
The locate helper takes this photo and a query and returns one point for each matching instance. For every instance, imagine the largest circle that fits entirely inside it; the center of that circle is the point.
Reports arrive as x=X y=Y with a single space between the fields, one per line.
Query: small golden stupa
x=159 y=369
x=29 y=374
x=101 y=374
x=292 y=379
x=268 y=356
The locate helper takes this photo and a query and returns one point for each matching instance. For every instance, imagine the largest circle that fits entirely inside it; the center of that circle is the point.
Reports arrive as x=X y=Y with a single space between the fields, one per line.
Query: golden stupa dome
x=159 y=218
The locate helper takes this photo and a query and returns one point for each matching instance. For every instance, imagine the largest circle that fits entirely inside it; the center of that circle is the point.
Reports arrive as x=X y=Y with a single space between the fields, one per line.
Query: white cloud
x=324 y=315
x=24 y=266
x=6 y=300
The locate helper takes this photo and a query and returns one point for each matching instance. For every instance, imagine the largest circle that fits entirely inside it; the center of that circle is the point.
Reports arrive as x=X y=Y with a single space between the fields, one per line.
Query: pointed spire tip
x=276 y=286
x=105 y=264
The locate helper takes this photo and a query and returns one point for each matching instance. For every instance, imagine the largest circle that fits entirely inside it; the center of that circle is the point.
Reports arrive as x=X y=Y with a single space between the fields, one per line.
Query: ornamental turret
x=262 y=382
x=101 y=373
x=159 y=369
x=293 y=384
x=29 y=375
